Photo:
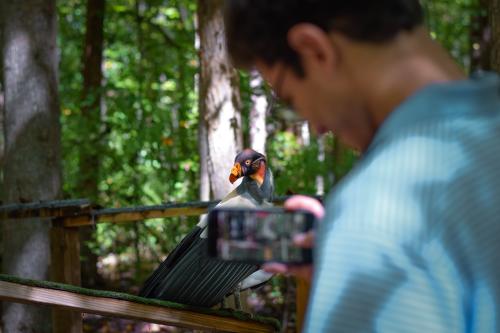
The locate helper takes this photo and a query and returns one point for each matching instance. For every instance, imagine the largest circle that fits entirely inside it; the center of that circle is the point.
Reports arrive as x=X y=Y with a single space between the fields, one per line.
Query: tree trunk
x=258 y=131
x=320 y=178
x=32 y=164
x=91 y=114
x=202 y=132
x=480 y=38
x=485 y=36
x=203 y=148
x=494 y=14
x=1 y=127
x=2 y=140
x=219 y=97
x=2 y=135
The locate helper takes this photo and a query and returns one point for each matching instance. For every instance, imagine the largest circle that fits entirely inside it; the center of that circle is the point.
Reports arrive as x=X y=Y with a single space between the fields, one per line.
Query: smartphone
x=258 y=235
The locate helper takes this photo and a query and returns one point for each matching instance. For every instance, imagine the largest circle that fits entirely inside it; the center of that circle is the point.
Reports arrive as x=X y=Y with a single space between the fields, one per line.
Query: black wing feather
x=148 y=290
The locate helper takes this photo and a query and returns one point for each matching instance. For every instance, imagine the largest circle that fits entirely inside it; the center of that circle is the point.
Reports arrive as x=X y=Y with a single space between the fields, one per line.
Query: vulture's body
x=189 y=276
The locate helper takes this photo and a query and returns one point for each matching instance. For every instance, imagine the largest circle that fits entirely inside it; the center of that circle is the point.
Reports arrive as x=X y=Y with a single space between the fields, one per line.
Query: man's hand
x=306 y=240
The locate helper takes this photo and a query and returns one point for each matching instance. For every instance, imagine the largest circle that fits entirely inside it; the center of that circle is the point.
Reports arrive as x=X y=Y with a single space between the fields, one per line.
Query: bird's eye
x=248 y=162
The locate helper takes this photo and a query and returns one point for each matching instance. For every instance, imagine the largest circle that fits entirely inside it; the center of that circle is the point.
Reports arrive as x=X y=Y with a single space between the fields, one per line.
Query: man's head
x=258 y=29
x=312 y=51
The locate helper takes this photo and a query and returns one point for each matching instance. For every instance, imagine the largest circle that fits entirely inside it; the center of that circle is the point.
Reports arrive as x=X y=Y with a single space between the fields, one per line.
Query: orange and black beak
x=236 y=173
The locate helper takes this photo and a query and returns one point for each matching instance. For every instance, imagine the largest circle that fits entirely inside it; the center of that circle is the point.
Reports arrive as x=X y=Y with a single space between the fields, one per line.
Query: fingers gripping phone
x=258 y=235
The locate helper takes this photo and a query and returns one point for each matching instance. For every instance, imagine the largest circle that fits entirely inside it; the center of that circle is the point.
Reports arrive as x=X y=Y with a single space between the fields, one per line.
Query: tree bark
x=2 y=140
x=320 y=179
x=494 y=19
x=2 y=136
x=485 y=36
x=91 y=115
x=258 y=131
x=480 y=38
x=204 y=194
x=32 y=164
x=91 y=95
x=203 y=148
x=219 y=97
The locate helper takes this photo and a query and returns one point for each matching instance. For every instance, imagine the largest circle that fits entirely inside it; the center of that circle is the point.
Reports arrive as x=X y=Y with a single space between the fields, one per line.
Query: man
x=409 y=238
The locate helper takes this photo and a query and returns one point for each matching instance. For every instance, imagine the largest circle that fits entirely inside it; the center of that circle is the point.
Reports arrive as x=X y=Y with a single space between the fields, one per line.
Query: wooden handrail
x=77 y=213
x=46 y=209
x=133 y=214
x=127 y=309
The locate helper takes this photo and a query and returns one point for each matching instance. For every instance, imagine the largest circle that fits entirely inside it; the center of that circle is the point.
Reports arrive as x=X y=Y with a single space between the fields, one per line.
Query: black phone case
x=213 y=232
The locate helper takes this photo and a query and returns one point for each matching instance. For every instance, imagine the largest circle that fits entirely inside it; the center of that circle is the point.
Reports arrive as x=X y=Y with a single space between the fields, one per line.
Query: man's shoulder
x=414 y=178
x=444 y=105
x=403 y=162
x=443 y=129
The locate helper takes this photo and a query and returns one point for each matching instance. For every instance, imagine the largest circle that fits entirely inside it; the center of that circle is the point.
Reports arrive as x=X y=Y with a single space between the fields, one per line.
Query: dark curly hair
x=257 y=29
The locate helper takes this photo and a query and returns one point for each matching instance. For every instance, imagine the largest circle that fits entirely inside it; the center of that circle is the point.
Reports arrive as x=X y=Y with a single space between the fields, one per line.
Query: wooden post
x=65 y=268
x=302 y=297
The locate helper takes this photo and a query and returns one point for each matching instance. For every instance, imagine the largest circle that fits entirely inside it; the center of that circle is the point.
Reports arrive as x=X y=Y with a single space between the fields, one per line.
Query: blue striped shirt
x=411 y=237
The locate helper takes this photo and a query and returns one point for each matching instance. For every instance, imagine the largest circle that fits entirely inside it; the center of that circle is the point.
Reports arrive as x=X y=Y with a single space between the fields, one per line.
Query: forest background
x=139 y=83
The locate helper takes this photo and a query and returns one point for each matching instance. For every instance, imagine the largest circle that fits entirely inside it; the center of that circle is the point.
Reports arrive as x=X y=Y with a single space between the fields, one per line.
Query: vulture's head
x=249 y=163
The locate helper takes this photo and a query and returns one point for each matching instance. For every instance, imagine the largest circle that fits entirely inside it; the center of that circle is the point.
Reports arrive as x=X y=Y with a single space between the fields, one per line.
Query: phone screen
x=258 y=235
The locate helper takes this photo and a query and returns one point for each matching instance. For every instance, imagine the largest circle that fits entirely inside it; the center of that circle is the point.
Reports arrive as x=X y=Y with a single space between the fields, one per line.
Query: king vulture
x=188 y=275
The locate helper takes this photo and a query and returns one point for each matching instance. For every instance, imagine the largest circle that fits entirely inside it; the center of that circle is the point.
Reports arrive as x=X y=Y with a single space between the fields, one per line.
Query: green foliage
x=295 y=167
x=148 y=141
x=449 y=22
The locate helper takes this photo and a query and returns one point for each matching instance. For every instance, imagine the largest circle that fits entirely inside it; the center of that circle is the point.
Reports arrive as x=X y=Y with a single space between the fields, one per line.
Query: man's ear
x=314 y=47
